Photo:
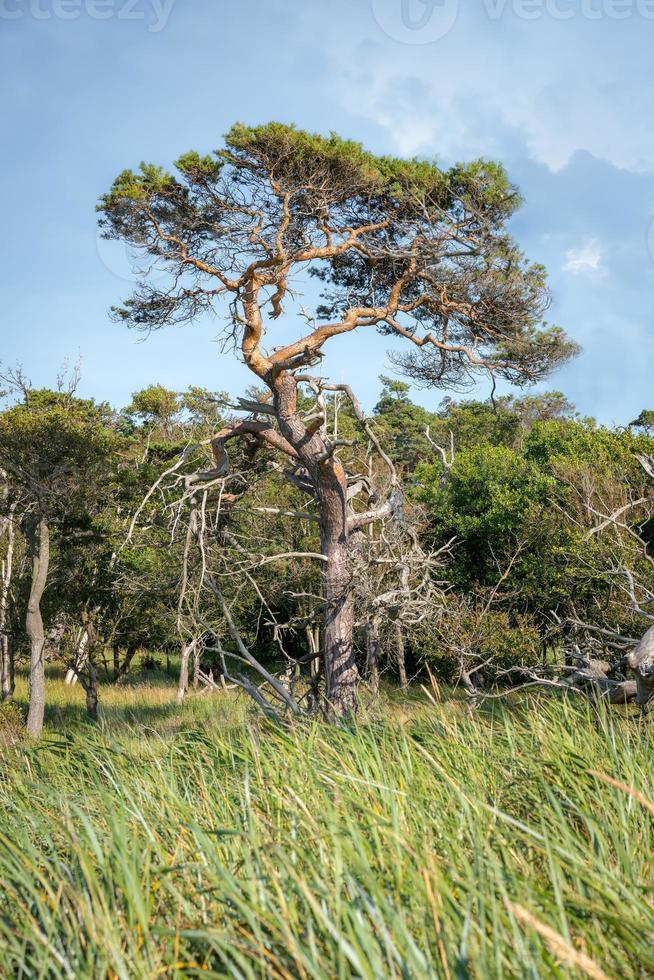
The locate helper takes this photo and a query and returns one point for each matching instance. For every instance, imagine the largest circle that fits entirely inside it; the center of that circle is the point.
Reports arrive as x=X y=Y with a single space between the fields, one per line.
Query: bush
x=474 y=639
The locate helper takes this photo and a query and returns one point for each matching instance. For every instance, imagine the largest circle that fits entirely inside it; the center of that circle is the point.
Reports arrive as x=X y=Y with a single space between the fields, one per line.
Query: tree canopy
x=422 y=253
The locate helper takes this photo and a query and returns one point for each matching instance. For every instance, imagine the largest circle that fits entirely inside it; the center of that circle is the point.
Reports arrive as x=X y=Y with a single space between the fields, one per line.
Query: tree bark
x=399 y=653
x=329 y=481
x=341 y=674
x=38 y=540
x=6 y=652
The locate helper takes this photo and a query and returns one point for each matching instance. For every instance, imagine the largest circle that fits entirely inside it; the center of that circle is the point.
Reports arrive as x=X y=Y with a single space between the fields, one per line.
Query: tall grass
x=441 y=845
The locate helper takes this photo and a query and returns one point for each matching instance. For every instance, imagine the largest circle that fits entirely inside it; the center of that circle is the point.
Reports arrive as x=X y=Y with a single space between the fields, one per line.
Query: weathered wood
x=641 y=660
x=182 y=687
x=399 y=655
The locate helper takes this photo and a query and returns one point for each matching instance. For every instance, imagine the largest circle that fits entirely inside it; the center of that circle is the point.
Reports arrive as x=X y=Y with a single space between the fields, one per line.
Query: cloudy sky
x=561 y=91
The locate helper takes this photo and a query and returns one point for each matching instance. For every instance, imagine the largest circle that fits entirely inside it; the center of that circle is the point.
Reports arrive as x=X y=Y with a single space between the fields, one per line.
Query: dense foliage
x=518 y=490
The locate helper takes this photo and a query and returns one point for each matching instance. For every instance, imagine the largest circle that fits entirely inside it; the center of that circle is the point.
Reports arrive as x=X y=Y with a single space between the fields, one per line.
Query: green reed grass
x=436 y=843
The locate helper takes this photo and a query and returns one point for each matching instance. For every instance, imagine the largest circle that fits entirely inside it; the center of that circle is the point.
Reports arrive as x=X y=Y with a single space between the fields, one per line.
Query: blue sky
x=561 y=91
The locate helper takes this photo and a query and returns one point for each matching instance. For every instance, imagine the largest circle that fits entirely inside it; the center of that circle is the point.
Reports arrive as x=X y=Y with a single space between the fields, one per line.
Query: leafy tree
x=529 y=509
x=54 y=449
x=645 y=421
x=205 y=409
x=403 y=425
x=420 y=253
x=154 y=406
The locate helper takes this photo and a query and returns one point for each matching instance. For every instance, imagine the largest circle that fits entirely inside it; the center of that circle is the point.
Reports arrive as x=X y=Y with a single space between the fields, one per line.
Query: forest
x=294 y=686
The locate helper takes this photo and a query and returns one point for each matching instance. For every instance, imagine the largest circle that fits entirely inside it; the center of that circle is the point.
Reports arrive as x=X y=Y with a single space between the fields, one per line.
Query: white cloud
x=561 y=86
x=587 y=258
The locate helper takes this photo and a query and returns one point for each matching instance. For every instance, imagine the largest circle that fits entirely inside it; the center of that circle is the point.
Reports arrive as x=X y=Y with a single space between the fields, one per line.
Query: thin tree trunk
x=80 y=657
x=182 y=686
x=123 y=668
x=313 y=642
x=88 y=678
x=38 y=539
x=286 y=678
x=197 y=663
x=91 y=691
x=90 y=682
x=6 y=653
x=372 y=656
x=399 y=653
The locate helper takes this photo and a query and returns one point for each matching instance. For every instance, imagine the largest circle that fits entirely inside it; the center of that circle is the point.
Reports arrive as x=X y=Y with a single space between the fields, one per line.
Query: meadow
x=513 y=841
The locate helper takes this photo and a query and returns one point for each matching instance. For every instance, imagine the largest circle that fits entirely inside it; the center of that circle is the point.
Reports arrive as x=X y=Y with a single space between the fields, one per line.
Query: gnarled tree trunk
x=327 y=475
x=38 y=540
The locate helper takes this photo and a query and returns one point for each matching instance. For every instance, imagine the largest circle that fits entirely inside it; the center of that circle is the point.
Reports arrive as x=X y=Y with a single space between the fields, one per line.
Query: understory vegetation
x=519 y=555
x=427 y=841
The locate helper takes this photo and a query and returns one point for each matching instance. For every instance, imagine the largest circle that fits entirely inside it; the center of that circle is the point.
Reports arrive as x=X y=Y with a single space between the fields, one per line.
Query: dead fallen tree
x=631 y=577
x=601 y=660
x=589 y=677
